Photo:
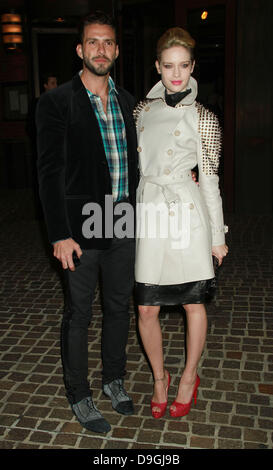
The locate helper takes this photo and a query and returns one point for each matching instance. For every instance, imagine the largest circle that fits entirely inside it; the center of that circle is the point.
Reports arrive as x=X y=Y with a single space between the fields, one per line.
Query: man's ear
x=157 y=66
x=79 y=50
x=117 y=51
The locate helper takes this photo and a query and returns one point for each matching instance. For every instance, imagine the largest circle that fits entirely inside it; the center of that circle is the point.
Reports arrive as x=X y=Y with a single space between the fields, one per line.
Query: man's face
x=51 y=83
x=98 y=49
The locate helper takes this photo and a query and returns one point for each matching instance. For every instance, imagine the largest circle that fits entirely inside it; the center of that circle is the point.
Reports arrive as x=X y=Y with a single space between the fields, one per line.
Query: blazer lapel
x=129 y=123
x=82 y=101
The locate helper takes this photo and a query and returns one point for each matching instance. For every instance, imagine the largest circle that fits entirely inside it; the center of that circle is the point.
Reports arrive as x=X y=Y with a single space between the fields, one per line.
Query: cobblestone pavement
x=234 y=405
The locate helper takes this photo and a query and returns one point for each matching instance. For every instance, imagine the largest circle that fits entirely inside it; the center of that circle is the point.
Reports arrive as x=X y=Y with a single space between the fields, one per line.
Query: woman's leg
x=195 y=340
x=151 y=335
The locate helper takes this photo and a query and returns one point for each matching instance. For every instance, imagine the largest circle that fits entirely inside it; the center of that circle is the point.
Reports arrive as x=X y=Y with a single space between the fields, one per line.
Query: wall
x=17 y=167
x=15 y=164
x=252 y=118
x=254 y=78
x=14 y=68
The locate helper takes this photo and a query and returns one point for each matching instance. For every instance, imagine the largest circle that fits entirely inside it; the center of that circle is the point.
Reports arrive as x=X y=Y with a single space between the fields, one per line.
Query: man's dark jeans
x=116 y=266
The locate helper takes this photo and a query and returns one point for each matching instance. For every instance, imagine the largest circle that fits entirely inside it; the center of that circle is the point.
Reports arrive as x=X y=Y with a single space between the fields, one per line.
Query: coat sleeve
x=208 y=162
x=51 y=124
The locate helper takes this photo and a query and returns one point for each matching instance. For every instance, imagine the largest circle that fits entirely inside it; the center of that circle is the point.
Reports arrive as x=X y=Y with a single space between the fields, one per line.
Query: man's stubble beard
x=100 y=71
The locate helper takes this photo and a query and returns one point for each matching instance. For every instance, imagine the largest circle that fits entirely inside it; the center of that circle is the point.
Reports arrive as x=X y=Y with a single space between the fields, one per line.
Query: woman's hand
x=220 y=252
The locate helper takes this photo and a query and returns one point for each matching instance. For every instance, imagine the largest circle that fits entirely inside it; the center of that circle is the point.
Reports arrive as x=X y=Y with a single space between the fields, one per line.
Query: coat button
x=172 y=213
x=170 y=152
x=167 y=171
x=191 y=205
x=147 y=108
x=142 y=129
x=177 y=132
x=139 y=149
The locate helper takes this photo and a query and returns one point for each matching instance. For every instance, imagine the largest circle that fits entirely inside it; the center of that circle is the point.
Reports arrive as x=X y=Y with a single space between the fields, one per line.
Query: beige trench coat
x=178 y=221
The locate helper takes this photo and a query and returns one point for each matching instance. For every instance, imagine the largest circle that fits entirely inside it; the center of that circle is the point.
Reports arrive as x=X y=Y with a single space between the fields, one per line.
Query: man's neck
x=98 y=85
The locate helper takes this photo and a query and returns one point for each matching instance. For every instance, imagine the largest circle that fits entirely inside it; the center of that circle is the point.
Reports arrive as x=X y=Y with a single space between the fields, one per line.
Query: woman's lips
x=177 y=82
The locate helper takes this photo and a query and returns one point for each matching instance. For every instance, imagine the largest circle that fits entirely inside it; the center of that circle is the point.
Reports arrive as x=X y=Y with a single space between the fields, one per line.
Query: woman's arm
x=208 y=163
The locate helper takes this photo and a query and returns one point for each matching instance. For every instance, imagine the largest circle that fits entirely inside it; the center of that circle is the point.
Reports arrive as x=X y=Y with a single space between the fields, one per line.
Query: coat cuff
x=218 y=235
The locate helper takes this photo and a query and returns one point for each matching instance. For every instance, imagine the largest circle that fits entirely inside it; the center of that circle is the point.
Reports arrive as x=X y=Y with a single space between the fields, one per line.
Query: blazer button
x=170 y=152
x=177 y=133
x=167 y=171
x=139 y=149
x=142 y=129
x=191 y=205
x=147 y=108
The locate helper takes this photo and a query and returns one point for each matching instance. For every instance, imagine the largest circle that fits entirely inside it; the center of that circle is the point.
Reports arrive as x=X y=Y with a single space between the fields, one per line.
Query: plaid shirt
x=113 y=134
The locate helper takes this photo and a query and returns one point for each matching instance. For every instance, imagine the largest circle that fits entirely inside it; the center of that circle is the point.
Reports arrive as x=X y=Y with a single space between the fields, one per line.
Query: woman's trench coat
x=178 y=221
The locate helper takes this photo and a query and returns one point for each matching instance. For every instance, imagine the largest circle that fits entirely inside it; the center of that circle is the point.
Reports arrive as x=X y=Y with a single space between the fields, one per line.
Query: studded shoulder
x=211 y=138
x=139 y=107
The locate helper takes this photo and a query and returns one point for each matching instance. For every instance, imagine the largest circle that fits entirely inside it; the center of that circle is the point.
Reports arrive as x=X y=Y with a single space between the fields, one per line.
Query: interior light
x=12 y=31
x=204 y=15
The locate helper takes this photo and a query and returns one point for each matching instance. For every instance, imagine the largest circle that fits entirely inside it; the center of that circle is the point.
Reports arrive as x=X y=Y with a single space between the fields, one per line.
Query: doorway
x=54 y=50
x=212 y=23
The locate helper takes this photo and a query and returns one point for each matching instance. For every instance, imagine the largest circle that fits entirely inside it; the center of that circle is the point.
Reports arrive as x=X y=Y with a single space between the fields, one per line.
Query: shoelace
x=121 y=392
x=90 y=404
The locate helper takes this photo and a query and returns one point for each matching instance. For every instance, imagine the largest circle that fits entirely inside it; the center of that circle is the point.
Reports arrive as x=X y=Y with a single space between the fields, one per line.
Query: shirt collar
x=111 y=84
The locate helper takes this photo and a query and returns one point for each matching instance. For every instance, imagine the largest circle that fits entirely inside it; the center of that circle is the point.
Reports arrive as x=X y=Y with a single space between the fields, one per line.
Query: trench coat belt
x=165 y=181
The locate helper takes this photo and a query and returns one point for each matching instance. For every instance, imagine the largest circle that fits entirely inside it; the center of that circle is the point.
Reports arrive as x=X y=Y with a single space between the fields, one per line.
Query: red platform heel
x=182 y=409
x=162 y=406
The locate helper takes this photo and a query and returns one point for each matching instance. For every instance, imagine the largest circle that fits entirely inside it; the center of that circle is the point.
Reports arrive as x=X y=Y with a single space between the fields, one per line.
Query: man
x=49 y=81
x=87 y=153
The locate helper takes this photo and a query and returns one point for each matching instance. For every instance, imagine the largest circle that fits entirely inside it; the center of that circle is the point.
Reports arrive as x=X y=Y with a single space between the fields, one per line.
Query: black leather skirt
x=197 y=292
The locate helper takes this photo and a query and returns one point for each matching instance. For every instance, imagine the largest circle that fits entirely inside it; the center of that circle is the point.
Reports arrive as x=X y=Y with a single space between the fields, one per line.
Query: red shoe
x=182 y=409
x=163 y=406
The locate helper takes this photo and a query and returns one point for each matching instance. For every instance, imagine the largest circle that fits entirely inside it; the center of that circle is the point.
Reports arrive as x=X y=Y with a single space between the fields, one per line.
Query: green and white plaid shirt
x=113 y=134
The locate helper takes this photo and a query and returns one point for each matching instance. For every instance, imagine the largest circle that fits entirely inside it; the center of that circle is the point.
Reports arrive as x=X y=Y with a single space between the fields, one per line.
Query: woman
x=175 y=133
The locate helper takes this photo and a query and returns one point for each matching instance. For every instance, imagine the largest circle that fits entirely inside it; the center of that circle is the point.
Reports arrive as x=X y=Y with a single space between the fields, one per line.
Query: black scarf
x=174 y=98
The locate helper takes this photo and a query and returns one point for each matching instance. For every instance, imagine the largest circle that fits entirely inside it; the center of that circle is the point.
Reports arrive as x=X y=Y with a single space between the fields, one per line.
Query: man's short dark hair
x=45 y=76
x=98 y=17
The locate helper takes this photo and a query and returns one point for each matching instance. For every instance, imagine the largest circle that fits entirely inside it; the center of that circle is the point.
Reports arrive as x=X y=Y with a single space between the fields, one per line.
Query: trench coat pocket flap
x=195 y=220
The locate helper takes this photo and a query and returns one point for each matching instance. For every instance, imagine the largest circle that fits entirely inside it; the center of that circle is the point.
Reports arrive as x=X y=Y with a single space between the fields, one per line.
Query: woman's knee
x=194 y=308
x=148 y=312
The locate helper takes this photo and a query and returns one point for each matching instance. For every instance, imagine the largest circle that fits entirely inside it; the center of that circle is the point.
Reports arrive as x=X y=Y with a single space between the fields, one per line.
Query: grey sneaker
x=121 y=402
x=89 y=416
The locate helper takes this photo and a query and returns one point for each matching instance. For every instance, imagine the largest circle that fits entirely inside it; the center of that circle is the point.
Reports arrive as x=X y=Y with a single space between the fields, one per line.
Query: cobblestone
x=234 y=405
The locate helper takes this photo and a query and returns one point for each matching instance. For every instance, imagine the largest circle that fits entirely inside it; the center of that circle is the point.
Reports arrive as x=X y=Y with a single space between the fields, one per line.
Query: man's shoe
x=89 y=416
x=121 y=402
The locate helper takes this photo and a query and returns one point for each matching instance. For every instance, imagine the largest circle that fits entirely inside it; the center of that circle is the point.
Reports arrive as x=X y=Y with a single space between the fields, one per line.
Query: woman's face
x=175 y=68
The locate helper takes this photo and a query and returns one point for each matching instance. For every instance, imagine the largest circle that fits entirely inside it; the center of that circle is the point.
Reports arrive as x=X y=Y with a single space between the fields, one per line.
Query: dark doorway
x=209 y=34
x=141 y=24
x=54 y=50
x=215 y=37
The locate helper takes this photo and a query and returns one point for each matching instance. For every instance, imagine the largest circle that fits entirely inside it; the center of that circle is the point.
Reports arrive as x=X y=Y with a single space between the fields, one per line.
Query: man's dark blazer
x=72 y=165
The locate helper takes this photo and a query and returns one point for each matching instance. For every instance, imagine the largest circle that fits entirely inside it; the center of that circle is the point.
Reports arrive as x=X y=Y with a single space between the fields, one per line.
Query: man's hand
x=194 y=176
x=220 y=252
x=63 y=251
